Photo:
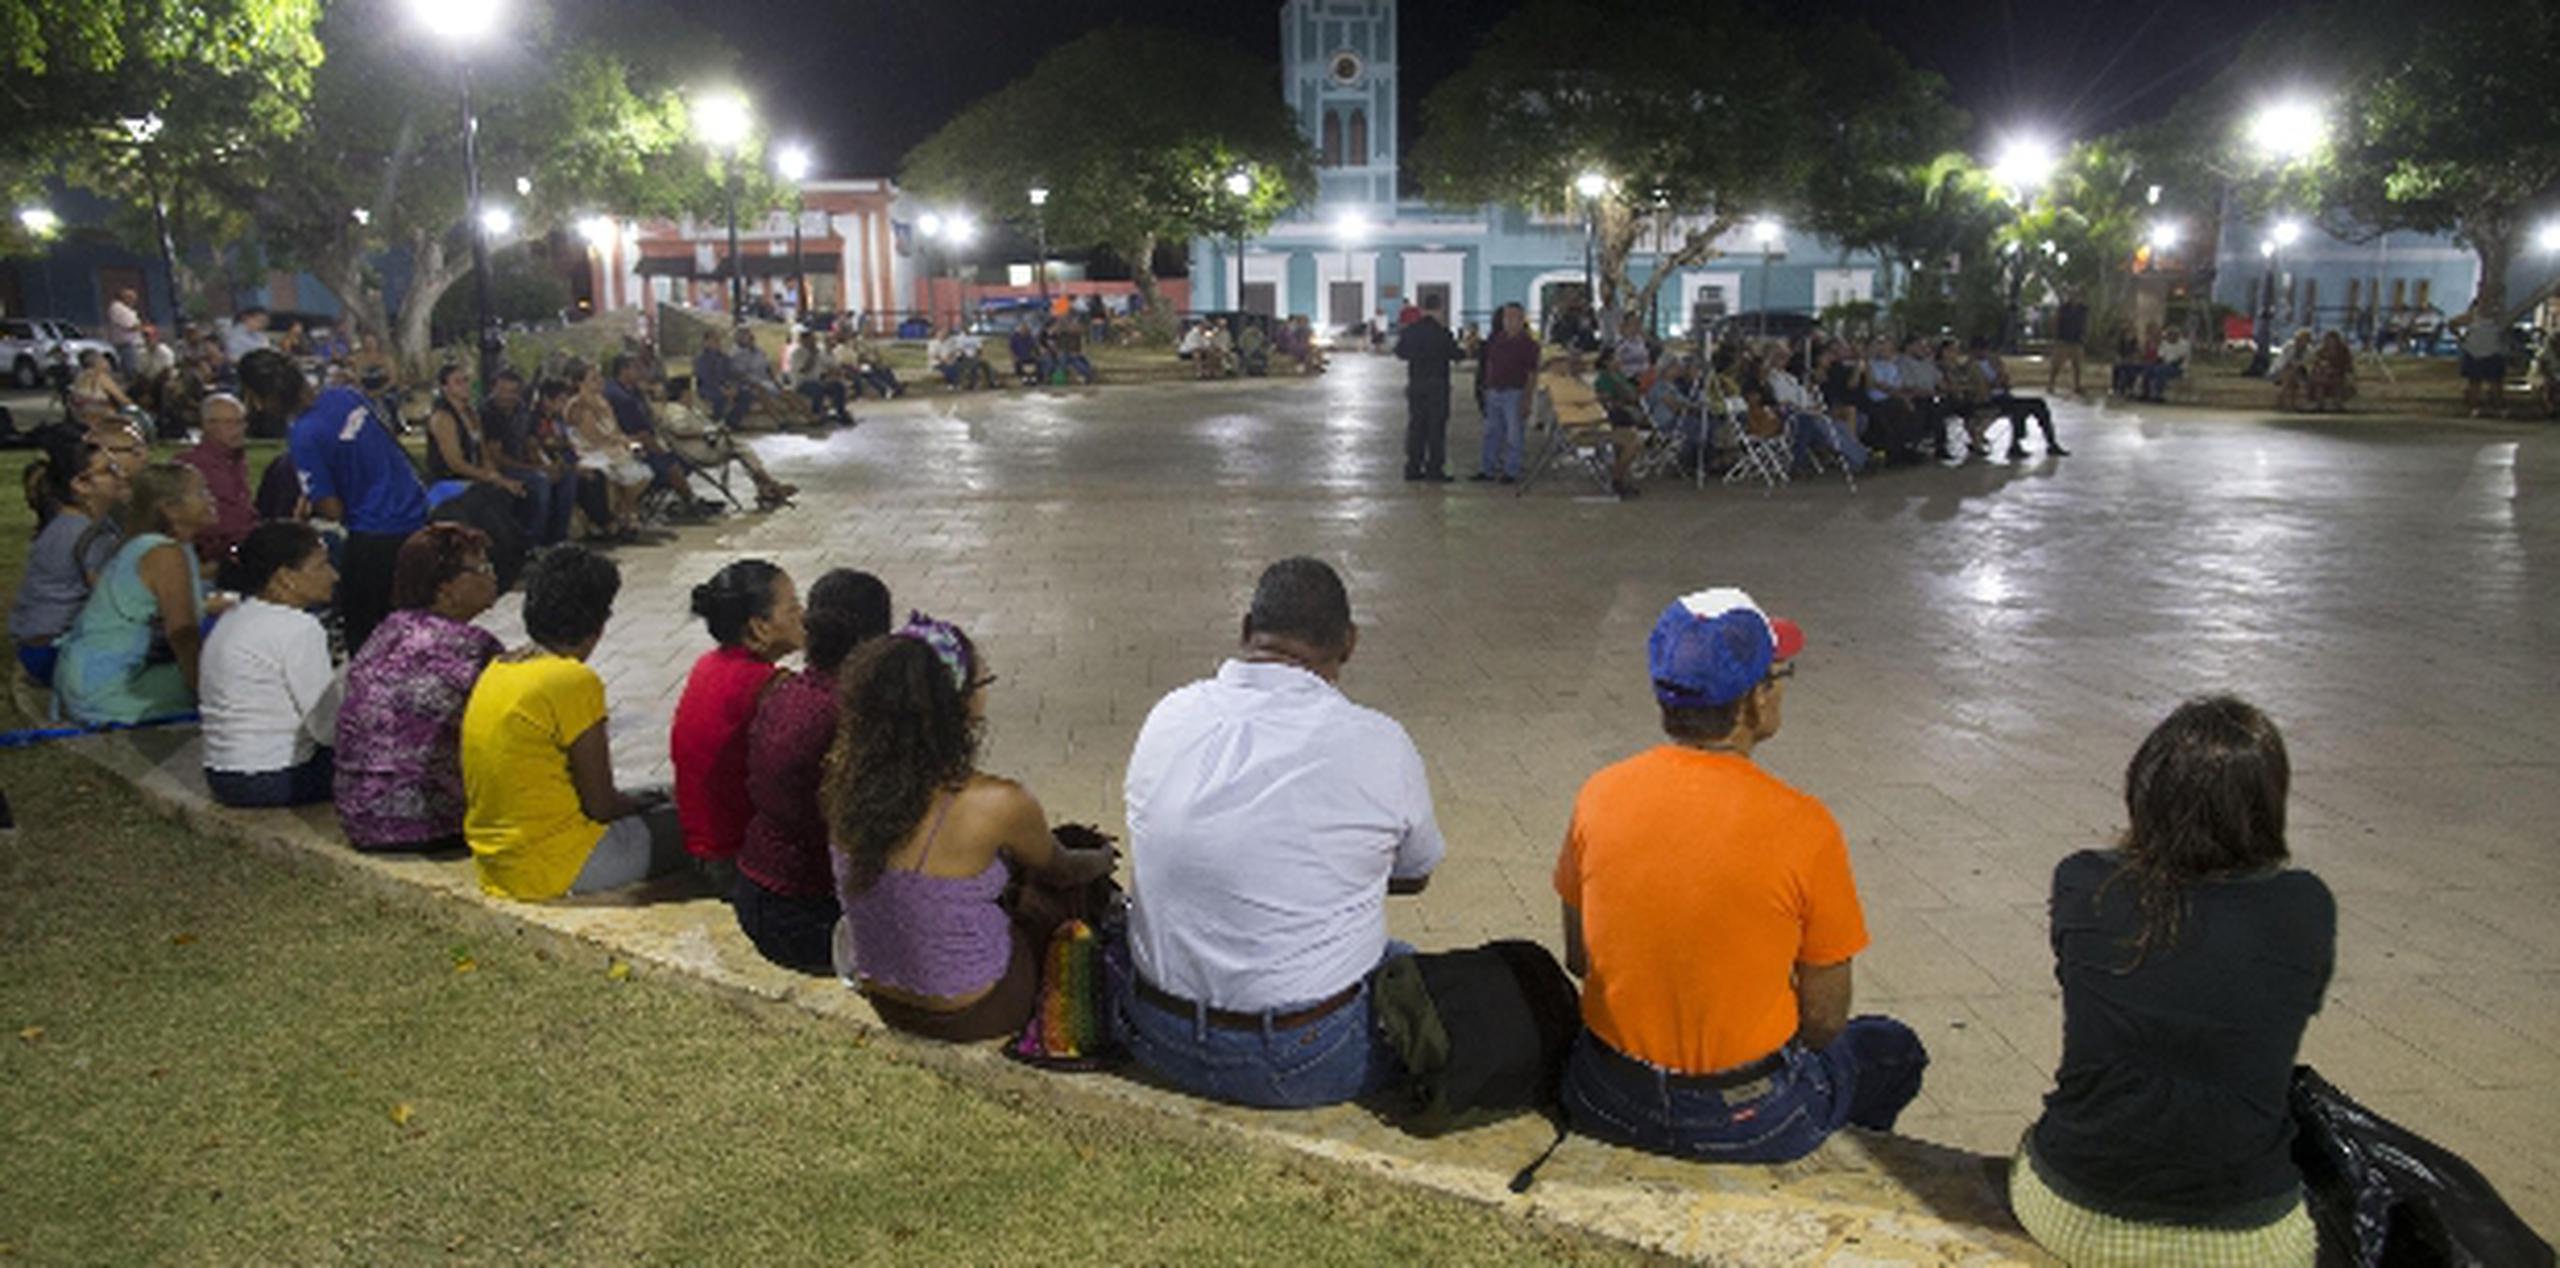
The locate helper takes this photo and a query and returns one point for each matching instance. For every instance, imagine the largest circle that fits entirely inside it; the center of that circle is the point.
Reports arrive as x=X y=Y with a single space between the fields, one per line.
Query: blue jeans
x=1337 y=1057
x=1821 y=431
x=1075 y=364
x=2155 y=378
x=1865 y=1077
x=307 y=784
x=1500 y=454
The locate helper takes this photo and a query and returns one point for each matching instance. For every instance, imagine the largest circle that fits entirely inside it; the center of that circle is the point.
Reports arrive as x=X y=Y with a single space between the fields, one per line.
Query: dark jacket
x=1427 y=349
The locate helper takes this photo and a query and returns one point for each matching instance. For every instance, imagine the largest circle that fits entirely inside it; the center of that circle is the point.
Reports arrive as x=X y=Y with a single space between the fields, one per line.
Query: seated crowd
x=1823 y=399
x=1709 y=909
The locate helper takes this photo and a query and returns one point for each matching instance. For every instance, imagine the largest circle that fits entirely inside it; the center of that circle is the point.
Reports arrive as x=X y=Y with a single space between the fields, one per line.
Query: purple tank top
x=938 y=937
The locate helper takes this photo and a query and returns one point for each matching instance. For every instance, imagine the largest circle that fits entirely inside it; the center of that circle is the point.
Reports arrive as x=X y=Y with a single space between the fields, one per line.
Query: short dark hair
x=431 y=557
x=846 y=609
x=253 y=310
x=273 y=381
x=568 y=595
x=551 y=387
x=269 y=548
x=1301 y=598
x=734 y=596
x=1703 y=723
x=445 y=372
x=507 y=375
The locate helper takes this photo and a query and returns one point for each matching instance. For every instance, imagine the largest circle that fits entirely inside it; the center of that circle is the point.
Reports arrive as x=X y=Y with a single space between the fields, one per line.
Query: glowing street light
x=460 y=24
x=1240 y=183
x=2164 y=235
x=959 y=228
x=1591 y=184
x=2024 y=165
x=2287 y=232
x=40 y=221
x=497 y=222
x=2286 y=131
x=2549 y=238
x=2267 y=248
x=598 y=231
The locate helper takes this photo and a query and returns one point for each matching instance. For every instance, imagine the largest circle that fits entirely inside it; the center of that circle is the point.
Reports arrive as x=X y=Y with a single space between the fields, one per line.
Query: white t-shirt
x=266 y=689
x=1266 y=814
x=123 y=324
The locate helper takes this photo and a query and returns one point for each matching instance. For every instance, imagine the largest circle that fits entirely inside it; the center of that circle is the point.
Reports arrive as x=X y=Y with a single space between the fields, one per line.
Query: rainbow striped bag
x=1069 y=1030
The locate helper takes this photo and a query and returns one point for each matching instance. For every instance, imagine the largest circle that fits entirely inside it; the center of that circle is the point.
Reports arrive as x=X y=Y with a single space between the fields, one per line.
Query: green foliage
x=1698 y=123
x=216 y=73
x=2451 y=124
x=1133 y=131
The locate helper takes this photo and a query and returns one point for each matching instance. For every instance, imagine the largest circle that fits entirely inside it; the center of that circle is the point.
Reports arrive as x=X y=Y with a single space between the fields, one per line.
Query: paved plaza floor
x=1988 y=644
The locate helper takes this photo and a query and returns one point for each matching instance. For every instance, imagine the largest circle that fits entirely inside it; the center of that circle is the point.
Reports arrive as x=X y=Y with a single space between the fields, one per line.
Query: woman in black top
x=2191 y=959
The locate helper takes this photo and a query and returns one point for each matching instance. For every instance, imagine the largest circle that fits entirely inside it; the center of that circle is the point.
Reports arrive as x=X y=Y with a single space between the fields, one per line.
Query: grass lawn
x=215 y=1057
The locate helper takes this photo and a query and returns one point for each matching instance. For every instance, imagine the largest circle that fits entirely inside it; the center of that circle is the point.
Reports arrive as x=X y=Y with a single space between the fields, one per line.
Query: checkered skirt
x=2084 y=1238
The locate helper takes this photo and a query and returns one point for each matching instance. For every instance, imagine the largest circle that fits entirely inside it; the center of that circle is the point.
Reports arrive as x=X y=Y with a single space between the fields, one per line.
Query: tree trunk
x=1154 y=323
x=431 y=274
x=2492 y=235
x=1697 y=248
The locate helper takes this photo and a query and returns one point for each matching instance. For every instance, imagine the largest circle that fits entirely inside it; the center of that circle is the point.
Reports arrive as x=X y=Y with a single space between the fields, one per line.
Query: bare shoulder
x=995 y=797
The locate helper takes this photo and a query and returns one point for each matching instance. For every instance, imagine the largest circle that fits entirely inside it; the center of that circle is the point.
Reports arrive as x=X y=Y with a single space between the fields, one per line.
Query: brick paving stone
x=1988 y=644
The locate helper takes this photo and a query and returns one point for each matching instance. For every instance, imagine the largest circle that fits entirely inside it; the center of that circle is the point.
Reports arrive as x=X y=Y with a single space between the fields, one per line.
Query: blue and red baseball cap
x=1711 y=648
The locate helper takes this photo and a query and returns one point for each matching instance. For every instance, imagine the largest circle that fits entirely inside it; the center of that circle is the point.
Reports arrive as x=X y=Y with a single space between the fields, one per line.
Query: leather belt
x=1715 y=1081
x=1224 y=1020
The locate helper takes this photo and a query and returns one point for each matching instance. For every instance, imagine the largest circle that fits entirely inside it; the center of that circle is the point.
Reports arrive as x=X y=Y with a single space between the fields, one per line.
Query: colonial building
x=1362 y=251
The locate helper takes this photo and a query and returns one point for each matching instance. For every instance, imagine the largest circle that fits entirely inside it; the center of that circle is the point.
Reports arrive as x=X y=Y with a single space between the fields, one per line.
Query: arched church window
x=1332 y=155
x=1359 y=147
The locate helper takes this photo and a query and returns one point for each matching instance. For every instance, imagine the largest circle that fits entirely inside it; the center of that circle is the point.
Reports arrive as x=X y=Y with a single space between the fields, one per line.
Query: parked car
x=38 y=349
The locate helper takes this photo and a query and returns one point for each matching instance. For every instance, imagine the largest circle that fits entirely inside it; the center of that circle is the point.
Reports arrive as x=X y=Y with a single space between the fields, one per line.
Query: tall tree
x=1697 y=124
x=102 y=94
x=1133 y=131
x=580 y=100
x=2448 y=125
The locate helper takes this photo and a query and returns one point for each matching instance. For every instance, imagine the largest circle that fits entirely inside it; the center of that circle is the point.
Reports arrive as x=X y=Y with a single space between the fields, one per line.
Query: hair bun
x=706 y=599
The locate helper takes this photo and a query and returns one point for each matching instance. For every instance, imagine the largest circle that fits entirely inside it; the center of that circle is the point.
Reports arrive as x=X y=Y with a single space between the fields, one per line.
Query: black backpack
x=1483 y=1033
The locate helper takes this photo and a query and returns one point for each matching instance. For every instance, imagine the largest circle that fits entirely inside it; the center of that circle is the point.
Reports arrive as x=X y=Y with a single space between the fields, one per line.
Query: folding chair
x=1588 y=444
x=1768 y=459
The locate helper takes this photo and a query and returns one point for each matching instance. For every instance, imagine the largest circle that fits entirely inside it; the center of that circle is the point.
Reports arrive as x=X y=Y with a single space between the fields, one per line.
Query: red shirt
x=226 y=482
x=786 y=842
x=708 y=745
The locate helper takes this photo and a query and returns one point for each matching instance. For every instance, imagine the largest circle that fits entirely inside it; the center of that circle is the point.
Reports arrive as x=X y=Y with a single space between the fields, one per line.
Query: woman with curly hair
x=949 y=877
x=2191 y=960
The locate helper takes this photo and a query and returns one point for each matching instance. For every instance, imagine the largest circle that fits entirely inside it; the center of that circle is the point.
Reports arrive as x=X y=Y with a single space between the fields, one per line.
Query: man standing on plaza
x=1509 y=364
x=1426 y=348
x=353 y=472
x=1710 y=912
x=2070 y=330
x=1269 y=819
x=124 y=331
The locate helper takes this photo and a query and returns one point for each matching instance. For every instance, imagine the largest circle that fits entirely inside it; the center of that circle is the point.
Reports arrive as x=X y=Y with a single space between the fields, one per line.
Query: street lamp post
x=1040 y=227
x=793 y=163
x=722 y=120
x=2023 y=166
x=1239 y=187
x=1768 y=233
x=1591 y=185
x=461 y=23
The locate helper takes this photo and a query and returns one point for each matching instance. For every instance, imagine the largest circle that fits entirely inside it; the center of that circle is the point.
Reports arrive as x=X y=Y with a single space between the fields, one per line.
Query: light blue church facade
x=1360 y=252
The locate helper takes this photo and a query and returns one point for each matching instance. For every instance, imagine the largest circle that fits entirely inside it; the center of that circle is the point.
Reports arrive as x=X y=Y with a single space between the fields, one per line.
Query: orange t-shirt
x=1702 y=881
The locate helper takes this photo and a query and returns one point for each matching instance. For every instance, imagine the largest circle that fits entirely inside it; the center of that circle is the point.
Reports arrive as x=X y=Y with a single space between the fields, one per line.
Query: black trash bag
x=2385 y=1197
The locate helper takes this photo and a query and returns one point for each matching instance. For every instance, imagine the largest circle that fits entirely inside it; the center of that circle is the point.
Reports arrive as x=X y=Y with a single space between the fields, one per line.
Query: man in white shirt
x=1269 y=818
x=247 y=334
x=124 y=330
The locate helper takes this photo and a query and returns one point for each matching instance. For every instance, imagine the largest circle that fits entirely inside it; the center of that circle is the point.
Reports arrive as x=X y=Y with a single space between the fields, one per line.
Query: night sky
x=864 y=80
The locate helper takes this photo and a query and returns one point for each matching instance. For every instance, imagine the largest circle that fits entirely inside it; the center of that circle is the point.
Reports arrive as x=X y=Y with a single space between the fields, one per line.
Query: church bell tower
x=1339 y=62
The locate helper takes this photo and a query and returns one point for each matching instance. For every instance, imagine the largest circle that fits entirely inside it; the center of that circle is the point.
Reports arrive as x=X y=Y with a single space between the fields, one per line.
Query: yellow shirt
x=522 y=815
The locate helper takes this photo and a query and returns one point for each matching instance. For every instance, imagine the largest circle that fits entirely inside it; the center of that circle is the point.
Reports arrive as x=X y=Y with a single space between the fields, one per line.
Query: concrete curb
x=1863 y=1199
